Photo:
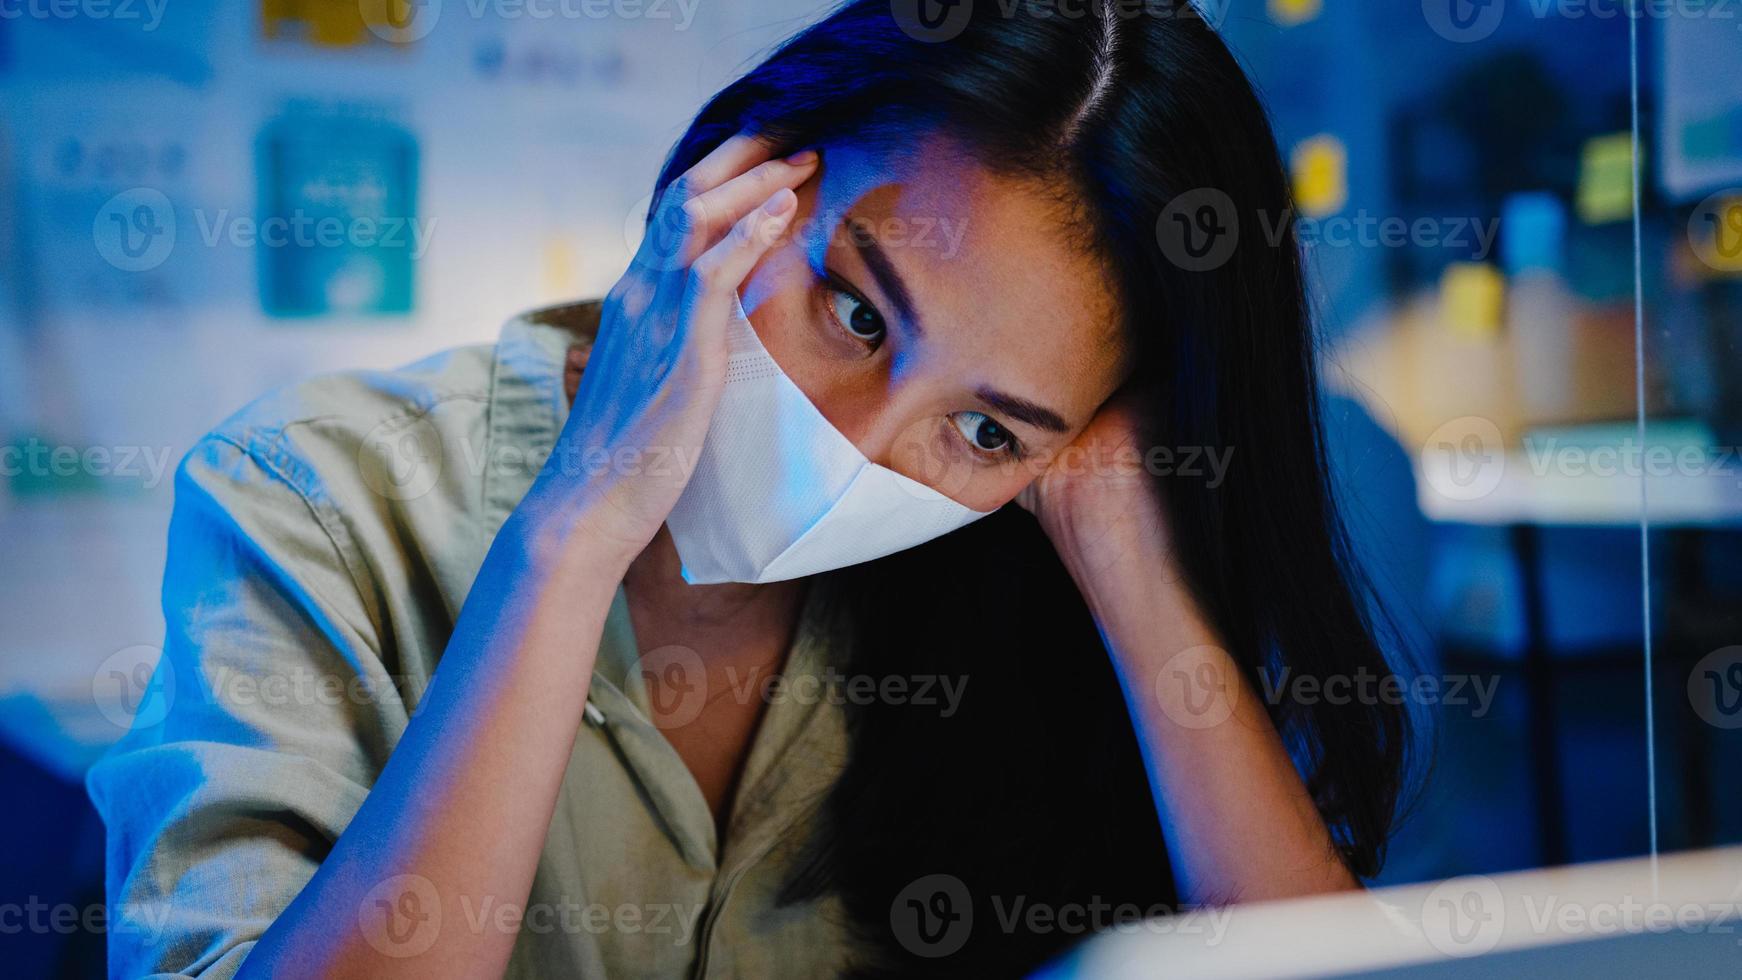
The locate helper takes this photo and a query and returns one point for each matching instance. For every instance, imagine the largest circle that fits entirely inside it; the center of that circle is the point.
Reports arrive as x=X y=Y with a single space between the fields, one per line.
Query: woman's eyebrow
x=890 y=281
x=883 y=271
x=1022 y=410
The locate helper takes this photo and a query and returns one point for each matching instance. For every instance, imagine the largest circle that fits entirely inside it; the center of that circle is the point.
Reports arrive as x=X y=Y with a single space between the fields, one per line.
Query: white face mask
x=779 y=493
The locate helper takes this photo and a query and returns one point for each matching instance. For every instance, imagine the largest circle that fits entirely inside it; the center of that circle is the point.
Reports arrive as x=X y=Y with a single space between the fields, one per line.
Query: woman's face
x=939 y=316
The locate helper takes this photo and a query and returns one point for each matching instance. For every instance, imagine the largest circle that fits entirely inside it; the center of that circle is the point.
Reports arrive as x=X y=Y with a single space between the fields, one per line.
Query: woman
x=510 y=737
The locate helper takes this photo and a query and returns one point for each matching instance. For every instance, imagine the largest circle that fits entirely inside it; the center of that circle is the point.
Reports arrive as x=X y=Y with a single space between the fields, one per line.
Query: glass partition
x=1462 y=178
x=1690 y=93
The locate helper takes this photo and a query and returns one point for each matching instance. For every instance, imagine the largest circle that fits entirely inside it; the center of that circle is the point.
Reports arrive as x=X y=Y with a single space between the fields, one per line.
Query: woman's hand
x=1220 y=774
x=1099 y=506
x=654 y=375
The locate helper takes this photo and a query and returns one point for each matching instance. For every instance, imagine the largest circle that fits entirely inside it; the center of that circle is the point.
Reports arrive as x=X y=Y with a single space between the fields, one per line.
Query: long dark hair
x=1033 y=793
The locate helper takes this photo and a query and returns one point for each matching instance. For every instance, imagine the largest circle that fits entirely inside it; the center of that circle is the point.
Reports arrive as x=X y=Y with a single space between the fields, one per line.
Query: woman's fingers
x=702 y=203
x=715 y=276
x=713 y=213
x=731 y=158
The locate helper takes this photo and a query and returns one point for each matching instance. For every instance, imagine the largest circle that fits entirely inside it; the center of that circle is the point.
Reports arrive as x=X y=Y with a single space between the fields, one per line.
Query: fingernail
x=780 y=203
x=802 y=158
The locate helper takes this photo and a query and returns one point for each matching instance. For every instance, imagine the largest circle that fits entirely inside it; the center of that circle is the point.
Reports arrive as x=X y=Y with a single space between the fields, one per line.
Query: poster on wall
x=108 y=200
x=1700 y=125
x=338 y=222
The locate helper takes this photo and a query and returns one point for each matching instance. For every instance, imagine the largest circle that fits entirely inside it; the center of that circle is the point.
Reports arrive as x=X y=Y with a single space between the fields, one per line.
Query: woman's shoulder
x=351 y=423
x=430 y=433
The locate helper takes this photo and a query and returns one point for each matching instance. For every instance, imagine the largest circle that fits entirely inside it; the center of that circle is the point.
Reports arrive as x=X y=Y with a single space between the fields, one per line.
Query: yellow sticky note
x=1320 y=166
x=1606 y=179
x=1472 y=298
x=324 y=23
x=1291 y=12
x=561 y=273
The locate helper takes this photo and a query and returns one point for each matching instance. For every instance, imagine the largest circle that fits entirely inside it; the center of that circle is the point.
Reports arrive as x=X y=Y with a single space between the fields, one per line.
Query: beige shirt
x=323 y=542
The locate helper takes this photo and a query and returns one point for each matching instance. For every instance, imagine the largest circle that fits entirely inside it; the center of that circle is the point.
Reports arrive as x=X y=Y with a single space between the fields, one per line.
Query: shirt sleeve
x=277 y=713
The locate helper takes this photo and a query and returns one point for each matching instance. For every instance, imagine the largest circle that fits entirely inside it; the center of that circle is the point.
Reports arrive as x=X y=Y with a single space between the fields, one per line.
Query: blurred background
x=1464 y=179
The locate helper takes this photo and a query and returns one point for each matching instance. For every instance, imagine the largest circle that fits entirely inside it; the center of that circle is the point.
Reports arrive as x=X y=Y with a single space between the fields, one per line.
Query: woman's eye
x=858 y=317
x=982 y=432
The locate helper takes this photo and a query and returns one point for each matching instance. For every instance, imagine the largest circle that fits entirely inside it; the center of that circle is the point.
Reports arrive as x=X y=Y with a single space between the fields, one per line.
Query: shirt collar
x=527 y=402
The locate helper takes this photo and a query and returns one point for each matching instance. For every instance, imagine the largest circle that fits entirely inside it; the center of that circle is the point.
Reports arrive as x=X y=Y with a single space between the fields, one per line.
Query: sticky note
x=1606 y=179
x=1532 y=229
x=1472 y=298
x=560 y=278
x=338 y=226
x=1320 y=168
